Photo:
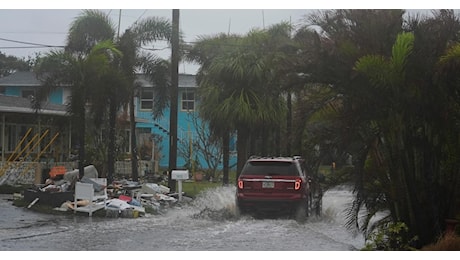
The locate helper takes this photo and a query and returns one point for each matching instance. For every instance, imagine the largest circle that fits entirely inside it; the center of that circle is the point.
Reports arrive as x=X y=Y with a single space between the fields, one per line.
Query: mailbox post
x=179 y=175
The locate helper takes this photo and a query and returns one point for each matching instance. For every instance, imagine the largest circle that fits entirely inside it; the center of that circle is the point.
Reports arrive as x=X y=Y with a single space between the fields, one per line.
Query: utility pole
x=174 y=97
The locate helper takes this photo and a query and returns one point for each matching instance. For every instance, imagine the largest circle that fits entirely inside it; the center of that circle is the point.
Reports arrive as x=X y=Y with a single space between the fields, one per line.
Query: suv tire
x=319 y=207
x=302 y=212
x=238 y=210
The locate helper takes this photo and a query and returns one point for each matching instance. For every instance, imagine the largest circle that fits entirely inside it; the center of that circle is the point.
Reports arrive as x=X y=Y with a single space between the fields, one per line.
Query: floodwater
x=207 y=223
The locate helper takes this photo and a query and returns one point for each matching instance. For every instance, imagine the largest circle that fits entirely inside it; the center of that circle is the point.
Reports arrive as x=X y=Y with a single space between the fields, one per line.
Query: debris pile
x=121 y=198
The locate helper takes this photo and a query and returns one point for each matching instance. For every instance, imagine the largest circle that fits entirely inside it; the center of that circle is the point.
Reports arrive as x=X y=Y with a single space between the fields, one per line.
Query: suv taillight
x=240 y=184
x=298 y=183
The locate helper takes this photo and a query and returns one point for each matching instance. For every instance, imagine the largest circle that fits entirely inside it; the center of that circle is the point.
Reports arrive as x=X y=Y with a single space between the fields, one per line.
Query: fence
x=24 y=173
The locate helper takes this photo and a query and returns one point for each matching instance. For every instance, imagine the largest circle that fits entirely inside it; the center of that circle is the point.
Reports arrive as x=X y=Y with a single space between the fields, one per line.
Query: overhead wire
x=35 y=45
x=41 y=45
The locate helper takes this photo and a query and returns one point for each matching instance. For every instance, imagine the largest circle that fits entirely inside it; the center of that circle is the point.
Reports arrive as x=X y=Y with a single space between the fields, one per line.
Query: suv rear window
x=270 y=168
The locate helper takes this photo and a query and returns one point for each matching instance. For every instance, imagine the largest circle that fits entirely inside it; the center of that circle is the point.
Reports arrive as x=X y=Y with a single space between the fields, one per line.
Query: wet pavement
x=205 y=224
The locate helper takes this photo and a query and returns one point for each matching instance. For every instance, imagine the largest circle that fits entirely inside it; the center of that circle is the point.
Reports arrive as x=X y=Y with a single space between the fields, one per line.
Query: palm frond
x=152 y=29
x=88 y=29
x=401 y=51
x=158 y=72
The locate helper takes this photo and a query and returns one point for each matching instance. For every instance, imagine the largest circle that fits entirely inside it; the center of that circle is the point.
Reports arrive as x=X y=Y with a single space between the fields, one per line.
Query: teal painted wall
x=55 y=97
x=161 y=128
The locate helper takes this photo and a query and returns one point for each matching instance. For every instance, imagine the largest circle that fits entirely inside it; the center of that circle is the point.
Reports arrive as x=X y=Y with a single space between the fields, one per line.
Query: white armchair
x=86 y=199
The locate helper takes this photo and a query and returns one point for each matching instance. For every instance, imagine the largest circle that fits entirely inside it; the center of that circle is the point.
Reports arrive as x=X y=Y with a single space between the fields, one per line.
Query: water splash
x=219 y=204
x=216 y=203
x=336 y=202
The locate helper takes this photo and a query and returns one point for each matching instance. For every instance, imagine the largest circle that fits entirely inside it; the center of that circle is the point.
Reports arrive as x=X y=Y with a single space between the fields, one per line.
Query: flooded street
x=206 y=224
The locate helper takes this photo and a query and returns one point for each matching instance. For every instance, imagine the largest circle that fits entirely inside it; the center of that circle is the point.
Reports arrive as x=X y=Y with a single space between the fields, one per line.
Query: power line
x=140 y=16
x=30 y=43
x=28 y=47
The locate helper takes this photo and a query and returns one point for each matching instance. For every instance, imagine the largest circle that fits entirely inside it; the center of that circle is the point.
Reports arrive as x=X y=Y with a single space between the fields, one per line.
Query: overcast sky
x=49 y=27
x=46 y=22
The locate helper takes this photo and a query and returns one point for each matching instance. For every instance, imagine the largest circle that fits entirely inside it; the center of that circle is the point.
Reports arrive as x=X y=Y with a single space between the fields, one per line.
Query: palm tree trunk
x=111 y=146
x=226 y=157
x=81 y=141
x=132 y=121
x=289 y=124
x=242 y=154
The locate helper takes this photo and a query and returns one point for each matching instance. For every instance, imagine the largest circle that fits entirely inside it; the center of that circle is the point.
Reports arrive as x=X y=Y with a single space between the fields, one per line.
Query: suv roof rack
x=294 y=157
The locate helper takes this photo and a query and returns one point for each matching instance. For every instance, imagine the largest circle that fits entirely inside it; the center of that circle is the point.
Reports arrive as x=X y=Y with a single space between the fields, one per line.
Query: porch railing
x=23 y=173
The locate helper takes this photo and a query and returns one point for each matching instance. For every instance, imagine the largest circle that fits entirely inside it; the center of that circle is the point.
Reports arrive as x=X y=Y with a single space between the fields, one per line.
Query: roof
x=12 y=104
x=20 y=79
x=28 y=78
x=185 y=80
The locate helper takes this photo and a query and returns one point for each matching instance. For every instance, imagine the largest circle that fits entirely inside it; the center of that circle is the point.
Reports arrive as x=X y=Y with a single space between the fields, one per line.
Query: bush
x=391 y=237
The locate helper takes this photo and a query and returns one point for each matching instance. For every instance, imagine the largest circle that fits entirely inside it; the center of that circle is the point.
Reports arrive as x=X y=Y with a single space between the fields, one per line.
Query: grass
x=192 y=189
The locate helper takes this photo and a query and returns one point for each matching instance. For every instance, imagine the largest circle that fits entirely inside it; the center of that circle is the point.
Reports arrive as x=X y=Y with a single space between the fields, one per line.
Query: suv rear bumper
x=247 y=204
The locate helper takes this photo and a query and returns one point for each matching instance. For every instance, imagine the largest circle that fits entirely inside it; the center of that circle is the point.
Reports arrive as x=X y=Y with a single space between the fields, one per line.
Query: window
x=270 y=168
x=188 y=101
x=146 y=98
x=26 y=93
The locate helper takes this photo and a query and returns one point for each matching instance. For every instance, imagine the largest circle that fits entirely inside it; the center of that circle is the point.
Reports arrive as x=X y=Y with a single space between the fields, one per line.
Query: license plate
x=268 y=184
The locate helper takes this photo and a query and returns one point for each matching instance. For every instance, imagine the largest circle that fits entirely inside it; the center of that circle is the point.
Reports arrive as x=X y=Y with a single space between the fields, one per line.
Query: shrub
x=390 y=237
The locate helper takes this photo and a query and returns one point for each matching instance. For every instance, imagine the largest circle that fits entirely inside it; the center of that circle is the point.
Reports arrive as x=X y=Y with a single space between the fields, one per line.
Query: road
x=206 y=224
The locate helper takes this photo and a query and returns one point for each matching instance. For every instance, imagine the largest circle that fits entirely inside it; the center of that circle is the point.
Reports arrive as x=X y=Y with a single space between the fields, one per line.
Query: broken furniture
x=50 y=198
x=87 y=199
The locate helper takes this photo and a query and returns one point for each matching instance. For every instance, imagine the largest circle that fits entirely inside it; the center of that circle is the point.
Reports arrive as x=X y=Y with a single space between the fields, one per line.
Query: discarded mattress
x=121 y=205
x=153 y=188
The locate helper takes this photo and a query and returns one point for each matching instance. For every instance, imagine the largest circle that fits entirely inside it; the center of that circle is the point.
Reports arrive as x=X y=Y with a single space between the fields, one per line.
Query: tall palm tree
x=203 y=52
x=403 y=122
x=238 y=81
x=155 y=68
x=387 y=77
x=417 y=144
x=84 y=73
x=94 y=26
x=88 y=29
x=342 y=123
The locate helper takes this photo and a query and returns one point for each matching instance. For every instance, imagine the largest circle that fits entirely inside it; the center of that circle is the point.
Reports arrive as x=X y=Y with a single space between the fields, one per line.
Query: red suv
x=277 y=185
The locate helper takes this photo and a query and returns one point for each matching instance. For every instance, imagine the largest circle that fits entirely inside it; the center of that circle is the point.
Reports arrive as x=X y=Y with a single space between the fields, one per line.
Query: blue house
x=21 y=126
x=190 y=133
x=152 y=134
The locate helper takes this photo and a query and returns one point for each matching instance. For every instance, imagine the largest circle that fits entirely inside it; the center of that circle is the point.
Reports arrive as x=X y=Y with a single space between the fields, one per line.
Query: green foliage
x=9 y=64
x=242 y=83
x=394 y=108
x=334 y=177
x=192 y=189
x=391 y=237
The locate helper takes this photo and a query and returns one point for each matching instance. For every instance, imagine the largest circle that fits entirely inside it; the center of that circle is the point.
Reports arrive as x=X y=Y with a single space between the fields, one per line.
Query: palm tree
x=400 y=107
x=84 y=74
x=388 y=78
x=341 y=106
x=155 y=68
x=238 y=87
x=203 y=52
x=94 y=26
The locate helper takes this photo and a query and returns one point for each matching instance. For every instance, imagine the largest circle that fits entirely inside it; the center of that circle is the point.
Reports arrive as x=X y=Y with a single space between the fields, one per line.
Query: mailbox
x=179 y=174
